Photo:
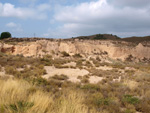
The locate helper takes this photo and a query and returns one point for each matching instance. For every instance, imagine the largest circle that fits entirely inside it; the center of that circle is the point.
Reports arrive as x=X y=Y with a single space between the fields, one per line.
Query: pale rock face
x=141 y=51
x=84 y=47
x=68 y=47
x=27 y=50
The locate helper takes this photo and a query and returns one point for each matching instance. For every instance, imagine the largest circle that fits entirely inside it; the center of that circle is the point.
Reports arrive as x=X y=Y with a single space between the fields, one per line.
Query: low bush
x=93 y=87
x=95 y=62
x=60 y=77
x=40 y=81
x=131 y=99
x=10 y=70
x=77 y=56
x=84 y=80
x=65 y=54
x=21 y=106
x=79 y=63
x=88 y=64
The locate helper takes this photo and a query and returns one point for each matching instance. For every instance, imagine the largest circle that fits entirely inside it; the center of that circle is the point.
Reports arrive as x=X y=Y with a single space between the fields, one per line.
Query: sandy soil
x=95 y=79
x=70 y=64
x=20 y=69
x=2 y=74
x=71 y=73
x=105 y=68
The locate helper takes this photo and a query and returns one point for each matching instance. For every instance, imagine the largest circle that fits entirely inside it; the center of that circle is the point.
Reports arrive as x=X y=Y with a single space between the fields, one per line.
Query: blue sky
x=71 y=18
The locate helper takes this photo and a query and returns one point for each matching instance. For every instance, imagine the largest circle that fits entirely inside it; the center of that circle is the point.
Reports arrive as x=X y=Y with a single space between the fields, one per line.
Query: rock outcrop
x=114 y=49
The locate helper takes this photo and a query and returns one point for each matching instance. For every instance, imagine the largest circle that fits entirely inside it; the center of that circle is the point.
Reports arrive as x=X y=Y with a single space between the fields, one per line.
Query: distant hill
x=137 y=39
x=99 y=37
x=133 y=39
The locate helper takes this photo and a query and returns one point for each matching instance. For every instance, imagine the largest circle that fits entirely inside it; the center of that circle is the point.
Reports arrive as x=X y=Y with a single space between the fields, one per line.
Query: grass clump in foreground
x=17 y=96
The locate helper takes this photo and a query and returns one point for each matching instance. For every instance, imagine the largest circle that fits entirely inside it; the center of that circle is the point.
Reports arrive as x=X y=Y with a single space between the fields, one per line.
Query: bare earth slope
x=115 y=49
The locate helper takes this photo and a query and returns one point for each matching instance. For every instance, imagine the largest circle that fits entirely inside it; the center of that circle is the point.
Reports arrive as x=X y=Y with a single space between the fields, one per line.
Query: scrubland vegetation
x=124 y=89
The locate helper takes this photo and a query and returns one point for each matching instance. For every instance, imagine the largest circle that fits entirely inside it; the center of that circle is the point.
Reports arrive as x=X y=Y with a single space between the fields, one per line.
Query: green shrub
x=60 y=66
x=129 y=111
x=95 y=62
x=10 y=70
x=90 y=87
x=85 y=80
x=65 y=54
x=97 y=100
x=40 y=81
x=79 y=63
x=60 y=77
x=101 y=101
x=98 y=59
x=5 y=35
x=118 y=65
x=46 y=61
x=55 y=83
x=99 y=37
x=97 y=72
x=88 y=64
x=77 y=56
x=2 y=109
x=131 y=99
x=0 y=68
x=21 y=106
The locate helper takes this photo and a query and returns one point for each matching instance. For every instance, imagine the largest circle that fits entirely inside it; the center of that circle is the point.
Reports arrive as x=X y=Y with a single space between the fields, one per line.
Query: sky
x=71 y=18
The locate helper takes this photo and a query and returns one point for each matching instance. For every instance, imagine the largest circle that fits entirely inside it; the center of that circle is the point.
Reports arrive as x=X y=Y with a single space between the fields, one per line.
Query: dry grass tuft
x=131 y=84
x=16 y=97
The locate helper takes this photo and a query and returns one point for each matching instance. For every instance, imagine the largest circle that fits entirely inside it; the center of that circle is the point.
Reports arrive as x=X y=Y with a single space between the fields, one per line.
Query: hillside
x=39 y=75
x=137 y=39
x=133 y=39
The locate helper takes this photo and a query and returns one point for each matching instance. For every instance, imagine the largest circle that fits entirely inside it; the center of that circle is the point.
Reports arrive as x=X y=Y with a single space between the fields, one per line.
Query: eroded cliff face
x=113 y=49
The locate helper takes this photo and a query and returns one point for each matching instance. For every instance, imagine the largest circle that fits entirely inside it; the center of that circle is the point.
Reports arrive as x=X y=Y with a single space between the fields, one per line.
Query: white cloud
x=130 y=3
x=83 y=12
x=28 y=1
x=14 y=27
x=43 y=7
x=9 y=10
x=11 y=24
x=102 y=17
